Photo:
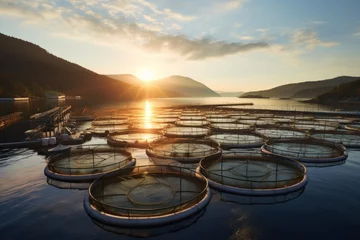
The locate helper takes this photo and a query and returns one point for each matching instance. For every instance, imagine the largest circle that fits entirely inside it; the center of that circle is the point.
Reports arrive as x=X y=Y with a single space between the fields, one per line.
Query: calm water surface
x=329 y=208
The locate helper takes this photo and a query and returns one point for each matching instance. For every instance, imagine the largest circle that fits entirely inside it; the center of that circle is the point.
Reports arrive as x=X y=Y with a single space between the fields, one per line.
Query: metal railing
x=335 y=150
x=154 y=147
x=299 y=171
x=96 y=191
x=61 y=163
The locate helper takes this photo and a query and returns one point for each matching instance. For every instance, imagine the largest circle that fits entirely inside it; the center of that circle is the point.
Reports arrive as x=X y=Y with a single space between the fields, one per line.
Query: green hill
x=310 y=89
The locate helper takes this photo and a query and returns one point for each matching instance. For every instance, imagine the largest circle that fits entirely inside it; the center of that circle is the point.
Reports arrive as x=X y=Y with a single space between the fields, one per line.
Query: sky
x=229 y=45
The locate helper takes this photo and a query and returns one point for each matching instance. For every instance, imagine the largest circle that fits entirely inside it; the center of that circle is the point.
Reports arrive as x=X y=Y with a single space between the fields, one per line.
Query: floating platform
x=87 y=163
x=185 y=150
x=147 y=196
x=311 y=152
x=253 y=174
x=238 y=140
x=134 y=139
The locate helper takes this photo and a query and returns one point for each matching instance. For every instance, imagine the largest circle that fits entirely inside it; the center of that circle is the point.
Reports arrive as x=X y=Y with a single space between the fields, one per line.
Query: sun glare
x=146 y=75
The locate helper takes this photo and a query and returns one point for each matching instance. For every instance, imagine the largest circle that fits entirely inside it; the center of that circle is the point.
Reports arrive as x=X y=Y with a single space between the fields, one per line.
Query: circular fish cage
x=191 y=117
x=87 y=163
x=148 y=126
x=191 y=113
x=308 y=151
x=335 y=120
x=238 y=140
x=248 y=117
x=105 y=130
x=165 y=120
x=135 y=139
x=184 y=150
x=217 y=115
x=192 y=123
x=316 y=126
x=147 y=196
x=263 y=115
x=110 y=122
x=186 y=132
x=347 y=138
x=252 y=121
x=281 y=120
x=265 y=121
x=220 y=127
x=253 y=174
x=353 y=127
x=221 y=120
x=279 y=133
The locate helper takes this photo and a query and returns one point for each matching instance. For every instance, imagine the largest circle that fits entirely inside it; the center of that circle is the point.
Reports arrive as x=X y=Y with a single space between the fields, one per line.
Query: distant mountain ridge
x=230 y=94
x=309 y=89
x=27 y=70
x=182 y=86
x=345 y=93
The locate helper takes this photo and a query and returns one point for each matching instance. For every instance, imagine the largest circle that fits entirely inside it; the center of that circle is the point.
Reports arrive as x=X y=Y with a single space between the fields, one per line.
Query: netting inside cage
x=184 y=149
x=253 y=121
x=253 y=171
x=148 y=191
x=191 y=117
x=192 y=123
x=133 y=137
x=279 y=119
x=334 y=120
x=305 y=150
x=109 y=128
x=230 y=126
x=238 y=140
x=348 y=139
x=221 y=120
x=186 y=131
x=314 y=126
x=89 y=159
x=280 y=133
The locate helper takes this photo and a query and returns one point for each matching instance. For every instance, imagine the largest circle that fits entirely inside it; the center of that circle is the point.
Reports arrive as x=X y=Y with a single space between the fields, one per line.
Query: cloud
x=262 y=29
x=357 y=34
x=232 y=4
x=245 y=37
x=199 y=49
x=309 y=39
x=118 y=20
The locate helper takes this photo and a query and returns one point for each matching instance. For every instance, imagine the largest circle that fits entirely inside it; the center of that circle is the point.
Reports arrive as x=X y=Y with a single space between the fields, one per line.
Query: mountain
x=186 y=86
x=345 y=93
x=29 y=70
x=230 y=94
x=310 y=89
x=127 y=78
x=175 y=85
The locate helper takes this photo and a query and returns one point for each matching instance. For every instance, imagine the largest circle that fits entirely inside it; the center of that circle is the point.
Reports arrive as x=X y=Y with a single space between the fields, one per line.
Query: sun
x=146 y=75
